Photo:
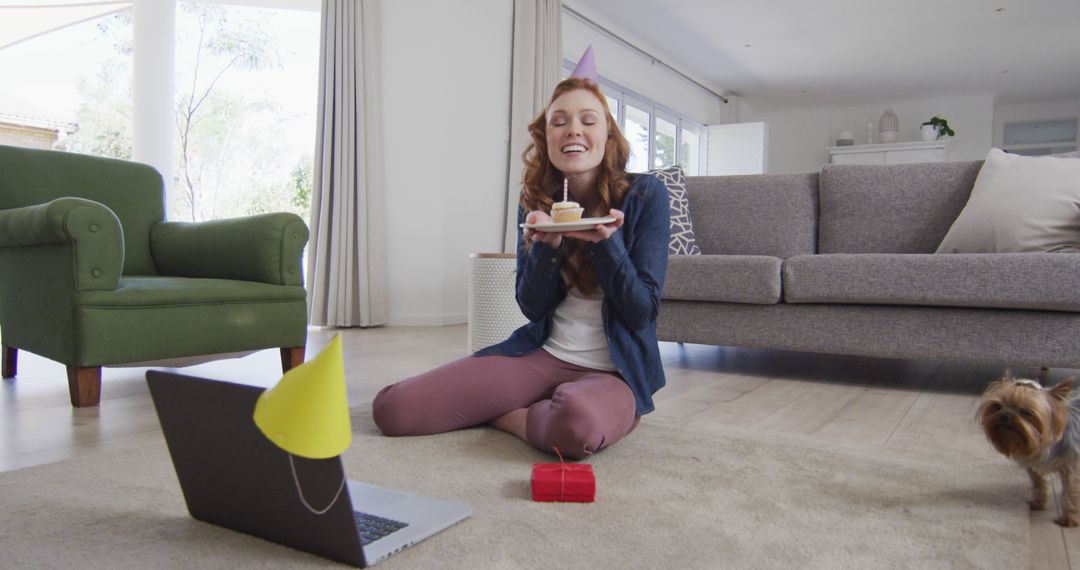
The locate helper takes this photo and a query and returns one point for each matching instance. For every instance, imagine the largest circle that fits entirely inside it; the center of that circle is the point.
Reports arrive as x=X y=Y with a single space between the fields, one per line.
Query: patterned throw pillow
x=683 y=241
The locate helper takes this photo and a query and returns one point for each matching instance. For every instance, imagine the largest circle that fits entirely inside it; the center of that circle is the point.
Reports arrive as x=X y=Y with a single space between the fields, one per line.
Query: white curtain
x=346 y=267
x=537 y=68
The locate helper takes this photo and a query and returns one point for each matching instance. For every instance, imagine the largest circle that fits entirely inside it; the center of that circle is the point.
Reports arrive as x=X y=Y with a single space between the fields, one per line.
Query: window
x=246 y=97
x=664 y=136
x=636 y=131
x=658 y=137
x=613 y=105
x=69 y=89
x=246 y=93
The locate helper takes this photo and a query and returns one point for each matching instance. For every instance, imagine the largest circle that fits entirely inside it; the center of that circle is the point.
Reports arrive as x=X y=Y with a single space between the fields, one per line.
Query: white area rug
x=669 y=496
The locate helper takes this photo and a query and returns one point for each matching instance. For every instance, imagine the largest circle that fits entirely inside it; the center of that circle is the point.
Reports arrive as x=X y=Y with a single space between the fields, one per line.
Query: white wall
x=632 y=70
x=1069 y=108
x=446 y=100
x=798 y=136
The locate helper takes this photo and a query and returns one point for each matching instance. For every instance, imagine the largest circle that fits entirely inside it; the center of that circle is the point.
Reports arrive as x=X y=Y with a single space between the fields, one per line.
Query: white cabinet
x=894 y=153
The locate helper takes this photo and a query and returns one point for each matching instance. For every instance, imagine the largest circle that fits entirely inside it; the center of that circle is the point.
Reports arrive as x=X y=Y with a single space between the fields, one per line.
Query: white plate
x=583 y=224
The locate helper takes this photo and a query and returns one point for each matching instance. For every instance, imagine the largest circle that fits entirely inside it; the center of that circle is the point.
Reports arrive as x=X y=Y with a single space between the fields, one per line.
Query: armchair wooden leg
x=291 y=357
x=84 y=384
x=11 y=361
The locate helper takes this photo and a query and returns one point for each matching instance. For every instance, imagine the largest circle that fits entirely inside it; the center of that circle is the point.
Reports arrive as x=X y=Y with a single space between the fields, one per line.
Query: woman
x=579 y=375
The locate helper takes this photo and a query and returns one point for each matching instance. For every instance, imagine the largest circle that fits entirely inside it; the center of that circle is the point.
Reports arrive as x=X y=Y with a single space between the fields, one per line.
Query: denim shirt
x=630 y=267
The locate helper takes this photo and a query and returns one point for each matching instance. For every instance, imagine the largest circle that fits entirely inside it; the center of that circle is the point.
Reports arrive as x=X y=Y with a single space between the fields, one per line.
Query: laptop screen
x=234 y=477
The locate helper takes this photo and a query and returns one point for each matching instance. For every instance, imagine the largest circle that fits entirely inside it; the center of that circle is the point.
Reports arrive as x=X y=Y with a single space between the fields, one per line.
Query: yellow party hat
x=307 y=412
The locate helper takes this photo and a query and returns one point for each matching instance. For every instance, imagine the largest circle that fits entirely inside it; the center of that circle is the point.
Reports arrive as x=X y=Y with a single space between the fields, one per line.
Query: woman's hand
x=552 y=239
x=600 y=232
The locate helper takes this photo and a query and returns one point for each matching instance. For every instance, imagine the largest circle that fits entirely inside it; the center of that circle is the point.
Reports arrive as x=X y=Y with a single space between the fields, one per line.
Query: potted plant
x=936 y=127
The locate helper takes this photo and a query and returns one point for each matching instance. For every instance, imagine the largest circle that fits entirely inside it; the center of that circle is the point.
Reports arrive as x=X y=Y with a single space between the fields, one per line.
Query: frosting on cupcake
x=562 y=212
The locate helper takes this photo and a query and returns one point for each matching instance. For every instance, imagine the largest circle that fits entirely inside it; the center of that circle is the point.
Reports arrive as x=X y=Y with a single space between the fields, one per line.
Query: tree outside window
x=245 y=105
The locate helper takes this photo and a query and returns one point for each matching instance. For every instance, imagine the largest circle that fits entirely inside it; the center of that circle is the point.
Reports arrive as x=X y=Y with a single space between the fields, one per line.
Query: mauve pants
x=577 y=409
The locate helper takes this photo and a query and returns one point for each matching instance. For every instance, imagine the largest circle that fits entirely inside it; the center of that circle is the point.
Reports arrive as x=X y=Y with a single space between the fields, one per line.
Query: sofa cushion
x=1020 y=204
x=903 y=208
x=774 y=215
x=1044 y=281
x=153 y=291
x=153 y=318
x=682 y=240
x=726 y=278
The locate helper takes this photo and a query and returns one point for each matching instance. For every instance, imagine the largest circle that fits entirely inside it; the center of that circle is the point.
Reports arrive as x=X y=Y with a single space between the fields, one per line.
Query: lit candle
x=565 y=186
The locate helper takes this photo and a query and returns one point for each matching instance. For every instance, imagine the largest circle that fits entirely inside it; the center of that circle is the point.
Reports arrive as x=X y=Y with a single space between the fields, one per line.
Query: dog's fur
x=1039 y=428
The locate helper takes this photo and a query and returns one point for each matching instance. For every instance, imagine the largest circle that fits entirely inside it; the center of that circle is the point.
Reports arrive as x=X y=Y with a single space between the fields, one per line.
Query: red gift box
x=568 y=483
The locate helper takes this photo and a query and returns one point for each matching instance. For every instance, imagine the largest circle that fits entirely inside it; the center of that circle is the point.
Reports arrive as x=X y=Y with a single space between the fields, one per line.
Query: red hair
x=542 y=182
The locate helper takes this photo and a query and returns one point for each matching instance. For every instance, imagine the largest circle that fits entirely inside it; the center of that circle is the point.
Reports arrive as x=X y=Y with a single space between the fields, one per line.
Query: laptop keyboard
x=373 y=528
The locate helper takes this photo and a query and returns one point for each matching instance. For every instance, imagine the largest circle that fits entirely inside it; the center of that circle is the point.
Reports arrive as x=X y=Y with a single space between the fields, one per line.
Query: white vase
x=888 y=126
x=929 y=132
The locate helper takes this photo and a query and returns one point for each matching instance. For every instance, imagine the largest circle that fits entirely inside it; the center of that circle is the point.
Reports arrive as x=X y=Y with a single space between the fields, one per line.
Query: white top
x=577 y=332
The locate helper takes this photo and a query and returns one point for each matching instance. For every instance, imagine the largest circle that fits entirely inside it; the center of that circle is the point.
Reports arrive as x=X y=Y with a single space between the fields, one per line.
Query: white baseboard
x=459 y=319
x=427 y=320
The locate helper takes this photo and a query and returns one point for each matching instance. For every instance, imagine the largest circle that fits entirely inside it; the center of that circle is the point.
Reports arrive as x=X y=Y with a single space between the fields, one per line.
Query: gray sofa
x=842 y=261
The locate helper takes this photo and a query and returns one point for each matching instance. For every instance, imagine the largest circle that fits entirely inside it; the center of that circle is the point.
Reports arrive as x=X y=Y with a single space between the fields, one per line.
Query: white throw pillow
x=1019 y=204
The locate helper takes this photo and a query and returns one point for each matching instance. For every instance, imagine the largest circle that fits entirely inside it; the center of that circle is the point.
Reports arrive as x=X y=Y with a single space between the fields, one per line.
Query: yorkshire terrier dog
x=1039 y=428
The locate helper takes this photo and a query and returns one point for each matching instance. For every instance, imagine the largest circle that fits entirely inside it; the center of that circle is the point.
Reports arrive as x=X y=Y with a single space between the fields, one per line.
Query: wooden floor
x=896 y=404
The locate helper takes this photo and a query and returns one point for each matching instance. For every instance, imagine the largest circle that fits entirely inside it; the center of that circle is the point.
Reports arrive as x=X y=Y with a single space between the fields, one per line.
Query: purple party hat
x=586 y=67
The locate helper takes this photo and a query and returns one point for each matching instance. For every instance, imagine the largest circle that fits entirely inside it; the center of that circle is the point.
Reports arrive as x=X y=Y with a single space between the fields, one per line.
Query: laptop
x=233 y=476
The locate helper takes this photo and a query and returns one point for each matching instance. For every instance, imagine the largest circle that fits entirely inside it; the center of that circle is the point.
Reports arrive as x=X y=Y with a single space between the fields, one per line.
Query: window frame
x=681 y=121
x=640 y=105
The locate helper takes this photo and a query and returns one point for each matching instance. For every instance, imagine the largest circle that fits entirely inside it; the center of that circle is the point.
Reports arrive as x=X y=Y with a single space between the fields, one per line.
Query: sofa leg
x=291 y=357
x=11 y=361
x=84 y=384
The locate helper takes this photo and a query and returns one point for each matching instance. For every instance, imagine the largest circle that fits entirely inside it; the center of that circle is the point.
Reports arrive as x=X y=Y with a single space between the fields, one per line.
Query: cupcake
x=563 y=212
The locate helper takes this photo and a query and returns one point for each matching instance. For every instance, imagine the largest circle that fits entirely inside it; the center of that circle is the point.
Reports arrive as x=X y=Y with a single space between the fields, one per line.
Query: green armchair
x=91 y=275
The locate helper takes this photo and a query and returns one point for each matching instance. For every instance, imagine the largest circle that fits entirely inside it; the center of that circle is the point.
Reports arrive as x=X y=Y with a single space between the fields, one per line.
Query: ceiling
x=799 y=53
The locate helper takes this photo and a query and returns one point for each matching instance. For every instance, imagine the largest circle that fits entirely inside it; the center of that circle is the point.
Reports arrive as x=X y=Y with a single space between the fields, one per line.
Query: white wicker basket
x=493 y=311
